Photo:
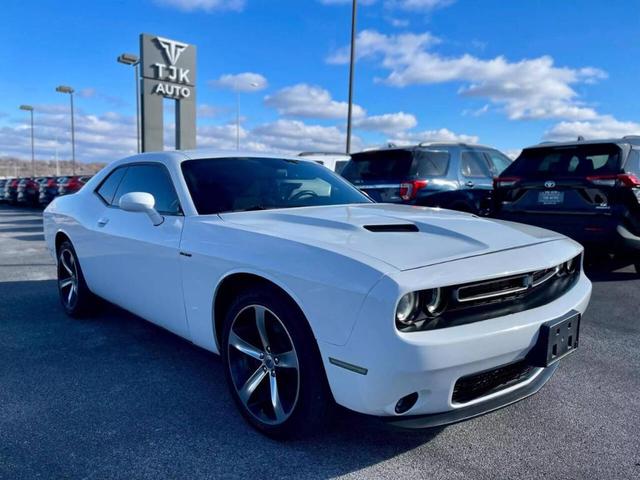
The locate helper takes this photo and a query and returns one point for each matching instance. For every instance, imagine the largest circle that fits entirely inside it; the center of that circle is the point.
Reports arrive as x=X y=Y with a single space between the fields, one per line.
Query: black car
x=587 y=190
x=448 y=175
x=3 y=182
x=49 y=189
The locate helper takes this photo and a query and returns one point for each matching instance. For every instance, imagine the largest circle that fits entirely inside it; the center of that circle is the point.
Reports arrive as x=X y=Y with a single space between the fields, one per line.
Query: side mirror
x=141 y=202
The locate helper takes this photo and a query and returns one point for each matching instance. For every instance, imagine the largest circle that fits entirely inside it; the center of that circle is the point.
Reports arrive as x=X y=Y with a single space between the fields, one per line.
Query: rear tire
x=273 y=366
x=75 y=297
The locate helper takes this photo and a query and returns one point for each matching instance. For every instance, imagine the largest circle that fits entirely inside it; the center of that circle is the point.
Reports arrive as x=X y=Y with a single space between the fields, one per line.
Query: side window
x=151 y=179
x=108 y=187
x=633 y=163
x=474 y=165
x=498 y=161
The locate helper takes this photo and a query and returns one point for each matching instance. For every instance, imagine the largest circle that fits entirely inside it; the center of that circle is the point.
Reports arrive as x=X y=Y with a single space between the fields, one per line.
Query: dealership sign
x=168 y=71
x=171 y=64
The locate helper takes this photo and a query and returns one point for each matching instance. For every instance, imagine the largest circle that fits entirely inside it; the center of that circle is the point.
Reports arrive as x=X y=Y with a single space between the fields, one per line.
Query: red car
x=28 y=190
x=72 y=184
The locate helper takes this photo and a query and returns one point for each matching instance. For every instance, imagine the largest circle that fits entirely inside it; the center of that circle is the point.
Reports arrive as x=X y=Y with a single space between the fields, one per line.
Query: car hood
x=402 y=236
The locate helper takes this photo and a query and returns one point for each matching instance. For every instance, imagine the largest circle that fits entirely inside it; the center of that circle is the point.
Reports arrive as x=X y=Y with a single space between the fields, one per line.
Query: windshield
x=220 y=185
x=396 y=165
x=572 y=161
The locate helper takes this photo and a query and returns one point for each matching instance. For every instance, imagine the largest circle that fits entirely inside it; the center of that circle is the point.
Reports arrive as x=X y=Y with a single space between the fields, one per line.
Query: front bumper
x=430 y=363
x=477 y=409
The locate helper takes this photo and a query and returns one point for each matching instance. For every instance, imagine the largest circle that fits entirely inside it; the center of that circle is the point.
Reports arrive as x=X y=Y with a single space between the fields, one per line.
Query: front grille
x=479 y=385
x=477 y=301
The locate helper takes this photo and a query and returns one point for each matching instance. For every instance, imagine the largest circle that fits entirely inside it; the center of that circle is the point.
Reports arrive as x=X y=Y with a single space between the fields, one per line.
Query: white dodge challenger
x=312 y=294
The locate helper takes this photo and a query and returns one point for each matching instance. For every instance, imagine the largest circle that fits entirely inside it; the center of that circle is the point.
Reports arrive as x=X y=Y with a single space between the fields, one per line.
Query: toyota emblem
x=549 y=184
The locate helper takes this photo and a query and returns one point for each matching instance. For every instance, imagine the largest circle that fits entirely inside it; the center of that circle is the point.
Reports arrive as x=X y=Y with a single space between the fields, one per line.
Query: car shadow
x=128 y=396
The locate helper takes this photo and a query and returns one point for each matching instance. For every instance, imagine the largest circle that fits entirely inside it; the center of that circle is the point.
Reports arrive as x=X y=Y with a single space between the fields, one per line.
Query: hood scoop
x=397 y=227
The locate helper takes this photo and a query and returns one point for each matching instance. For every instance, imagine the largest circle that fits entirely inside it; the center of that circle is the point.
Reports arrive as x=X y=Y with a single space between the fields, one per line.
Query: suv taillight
x=503 y=182
x=52 y=182
x=409 y=190
x=624 y=179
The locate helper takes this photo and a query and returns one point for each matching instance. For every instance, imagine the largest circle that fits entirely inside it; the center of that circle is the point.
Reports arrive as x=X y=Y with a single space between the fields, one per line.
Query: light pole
x=29 y=108
x=69 y=90
x=131 y=59
x=351 y=63
x=253 y=85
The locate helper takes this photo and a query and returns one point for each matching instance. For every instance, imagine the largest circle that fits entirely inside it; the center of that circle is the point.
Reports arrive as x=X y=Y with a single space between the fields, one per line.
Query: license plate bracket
x=556 y=339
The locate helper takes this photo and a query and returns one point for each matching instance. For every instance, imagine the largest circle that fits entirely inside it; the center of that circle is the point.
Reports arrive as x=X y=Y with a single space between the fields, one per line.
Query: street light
x=69 y=90
x=254 y=85
x=131 y=59
x=29 y=108
x=351 y=62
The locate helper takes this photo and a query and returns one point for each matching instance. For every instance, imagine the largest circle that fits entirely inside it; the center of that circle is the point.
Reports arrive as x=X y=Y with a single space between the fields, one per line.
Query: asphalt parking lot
x=116 y=397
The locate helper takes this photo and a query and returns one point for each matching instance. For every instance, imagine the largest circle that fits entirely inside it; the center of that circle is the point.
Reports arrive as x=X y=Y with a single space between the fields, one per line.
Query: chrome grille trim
x=520 y=283
x=524 y=280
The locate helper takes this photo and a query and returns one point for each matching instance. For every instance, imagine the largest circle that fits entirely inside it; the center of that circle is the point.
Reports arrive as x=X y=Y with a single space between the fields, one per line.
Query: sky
x=501 y=73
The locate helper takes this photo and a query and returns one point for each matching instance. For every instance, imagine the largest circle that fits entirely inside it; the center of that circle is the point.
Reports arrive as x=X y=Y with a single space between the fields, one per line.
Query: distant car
x=331 y=160
x=11 y=191
x=456 y=176
x=587 y=190
x=313 y=294
x=28 y=190
x=72 y=184
x=3 y=182
x=49 y=190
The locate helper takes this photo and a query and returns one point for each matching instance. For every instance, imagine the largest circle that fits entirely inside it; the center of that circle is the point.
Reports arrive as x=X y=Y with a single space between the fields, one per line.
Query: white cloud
x=530 y=88
x=418 y=5
x=389 y=123
x=296 y=136
x=204 y=5
x=241 y=82
x=209 y=111
x=605 y=126
x=398 y=22
x=94 y=134
x=439 y=135
x=310 y=101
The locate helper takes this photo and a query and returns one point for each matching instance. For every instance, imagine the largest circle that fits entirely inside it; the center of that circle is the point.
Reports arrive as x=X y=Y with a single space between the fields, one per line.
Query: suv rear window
x=571 y=161
x=396 y=165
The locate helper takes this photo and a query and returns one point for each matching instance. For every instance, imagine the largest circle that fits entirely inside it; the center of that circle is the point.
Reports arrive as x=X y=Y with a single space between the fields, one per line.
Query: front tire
x=273 y=366
x=75 y=297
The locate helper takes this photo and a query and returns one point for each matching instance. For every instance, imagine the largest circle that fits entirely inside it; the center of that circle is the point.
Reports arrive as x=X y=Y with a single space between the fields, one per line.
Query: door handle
x=103 y=221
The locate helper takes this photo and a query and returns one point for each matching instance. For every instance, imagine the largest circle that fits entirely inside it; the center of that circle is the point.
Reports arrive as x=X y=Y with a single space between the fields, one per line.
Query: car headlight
x=407 y=309
x=570 y=266
x=433 y=302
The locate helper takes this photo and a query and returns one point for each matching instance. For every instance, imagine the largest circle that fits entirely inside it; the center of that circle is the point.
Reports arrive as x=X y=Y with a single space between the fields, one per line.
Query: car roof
x=392 y=146
x=629 y=139
x=178 y=156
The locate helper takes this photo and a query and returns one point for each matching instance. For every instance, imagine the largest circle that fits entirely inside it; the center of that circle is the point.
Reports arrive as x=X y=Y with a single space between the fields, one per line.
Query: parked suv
x=449 y=175
x=587 y=190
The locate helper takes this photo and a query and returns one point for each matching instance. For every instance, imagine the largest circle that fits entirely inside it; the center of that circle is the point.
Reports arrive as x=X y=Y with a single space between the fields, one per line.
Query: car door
x=139 y=262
